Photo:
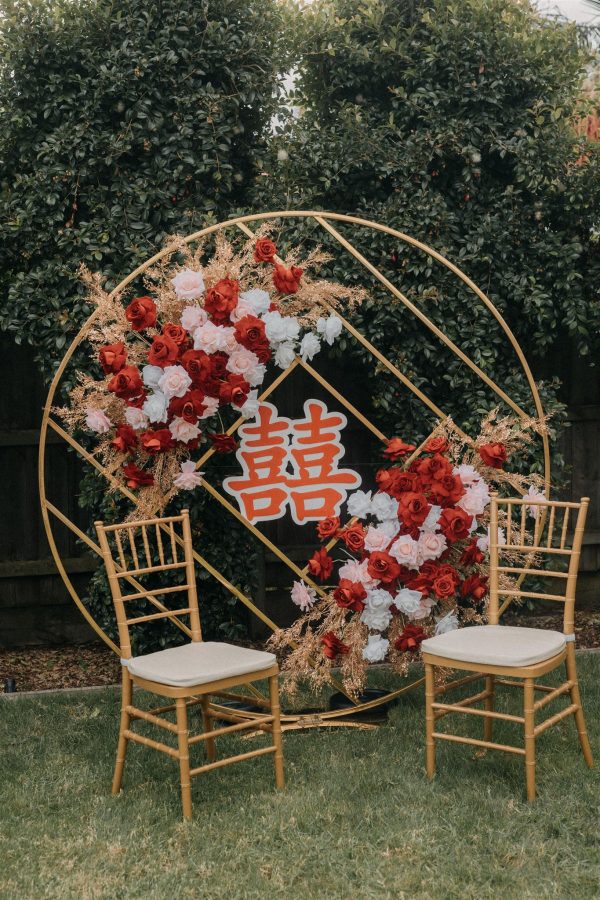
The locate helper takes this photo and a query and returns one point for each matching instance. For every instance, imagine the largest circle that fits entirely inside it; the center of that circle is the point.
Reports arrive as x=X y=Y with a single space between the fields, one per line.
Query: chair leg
x=277 y=740
x=429 y=720
x=528 y=695
x=488 y=722
x=584 y=741
x=208 y=726
x=126 y=697
x=184 y=757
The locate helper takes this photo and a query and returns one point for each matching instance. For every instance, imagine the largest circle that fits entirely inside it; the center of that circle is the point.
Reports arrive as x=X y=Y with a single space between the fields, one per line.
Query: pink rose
x=188 y=285
x=405 y=551
x=193 y=317
x=137 y=418
x=174 y=382
x=431 y=545
x=183 y=431
x=357 y=572
x=188 y=479
x=376 y=539
x=97 y=420
x=211 y=338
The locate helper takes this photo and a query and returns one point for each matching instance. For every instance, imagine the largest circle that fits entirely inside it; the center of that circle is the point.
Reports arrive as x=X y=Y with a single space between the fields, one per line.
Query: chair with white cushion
x=189 y=674
x=515 y=656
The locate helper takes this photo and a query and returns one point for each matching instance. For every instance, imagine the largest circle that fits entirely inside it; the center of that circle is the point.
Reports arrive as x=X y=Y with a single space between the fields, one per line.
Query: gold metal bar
x=232 y=759
x=550 y=526
x=553 y=695
x=158 y=615
x=173 y=544
x=158 y=591
x=453 y=707
x=241 y=726
x=120 y=550
x=533 y=594
x=148 y=742
x=159 y=544
x=553 y=720
x=532 y=550
x=148 y=717
x=131 y=537
x=146 y=547
x=563 y=534
x=475 y=743
x=145 y=571
x=551 y=573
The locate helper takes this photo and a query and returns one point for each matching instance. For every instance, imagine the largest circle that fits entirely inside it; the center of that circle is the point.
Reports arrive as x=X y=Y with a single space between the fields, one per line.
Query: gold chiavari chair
x=188 y=674
x=501 y=654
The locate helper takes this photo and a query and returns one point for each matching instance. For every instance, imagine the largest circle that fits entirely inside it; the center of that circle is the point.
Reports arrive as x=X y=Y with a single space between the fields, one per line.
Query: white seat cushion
x=496 y=645
x=198 y=663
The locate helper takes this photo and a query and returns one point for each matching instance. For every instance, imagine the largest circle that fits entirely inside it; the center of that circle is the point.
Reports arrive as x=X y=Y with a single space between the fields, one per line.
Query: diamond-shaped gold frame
x=324 y=220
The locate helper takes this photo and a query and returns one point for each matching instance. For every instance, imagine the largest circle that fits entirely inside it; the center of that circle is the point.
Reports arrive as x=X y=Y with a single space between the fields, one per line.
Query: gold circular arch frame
x=324 y=220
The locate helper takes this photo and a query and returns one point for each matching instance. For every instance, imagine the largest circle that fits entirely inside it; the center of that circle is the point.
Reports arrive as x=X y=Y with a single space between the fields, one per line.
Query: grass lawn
x=358 y=818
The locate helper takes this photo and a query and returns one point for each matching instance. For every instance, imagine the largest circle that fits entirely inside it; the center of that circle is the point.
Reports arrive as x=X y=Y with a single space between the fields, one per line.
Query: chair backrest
x=538 y=551
x=133 y=552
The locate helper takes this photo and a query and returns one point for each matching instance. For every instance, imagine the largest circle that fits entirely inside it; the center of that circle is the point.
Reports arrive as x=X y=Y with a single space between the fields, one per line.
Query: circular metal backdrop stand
x=325 y=221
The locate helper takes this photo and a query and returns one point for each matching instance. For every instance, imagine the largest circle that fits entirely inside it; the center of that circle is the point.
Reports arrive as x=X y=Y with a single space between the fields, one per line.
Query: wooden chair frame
x=128 y=567
x=525 y=677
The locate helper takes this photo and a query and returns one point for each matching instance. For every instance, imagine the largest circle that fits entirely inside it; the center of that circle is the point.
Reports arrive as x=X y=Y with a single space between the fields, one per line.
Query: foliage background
x=122 y=122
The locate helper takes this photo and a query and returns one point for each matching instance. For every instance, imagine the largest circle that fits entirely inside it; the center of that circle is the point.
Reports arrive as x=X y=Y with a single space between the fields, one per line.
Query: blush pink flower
x=189 y=478
x=193 y=317
x=174 y=382
x=97 y=420
x=183 y=431
x=357 y=571
x=303 y=596
x=376 y=539
x=430 y=546
x=242 y=362
x=405 y=551
x=188 y=285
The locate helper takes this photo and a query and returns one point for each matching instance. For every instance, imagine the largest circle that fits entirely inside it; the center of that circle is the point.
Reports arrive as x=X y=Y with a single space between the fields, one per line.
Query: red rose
x=436 y=445
x=320 y=565
x=447 y=491
x=444 y=586
x=218 y=364
x=221 y=299
x=189 y=407
x=474 y=586
x=350 y=595
x=163 y=351
x=411 y=639
x=383 y=567
x=235 y=390
x=455 y=524
x=136 y=477
x=287 y=281
x=126 y=384
x=471 y=555
x=423 y=580
x=332 y=646
x=141 y=313
x=223 y=443
x=328 y=527
x=265 y=250
x=126 y=438
x=396 y=449
x=156 y=441
x=493 y=455
x=413 y=508
x=395 y=482
x=177 y=334
x=198 y=366
x=250 y=331
x=112 y=358
x=354 y=537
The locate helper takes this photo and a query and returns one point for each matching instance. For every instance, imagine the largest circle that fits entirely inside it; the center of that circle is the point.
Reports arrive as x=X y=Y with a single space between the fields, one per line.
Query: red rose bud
x=472 y=555
x=221 y=299
x=126 y=384
x=474 y=586
x=396 y=449
x=223 y=443
x=332 y=646
x=125 y=440
x=136 y=477
x=163 y=351
x=354 y=537
x=328 y=527
x=264 y=250
x=436 y=445
x=141 y=313
x=411 y=639
x=112 y=358
x=493 y=455
x=156 y=441
x=287 y=281
x=177 y=334
x=350 y=595
x=455 y=524
x=383 y=566
x=320 y=564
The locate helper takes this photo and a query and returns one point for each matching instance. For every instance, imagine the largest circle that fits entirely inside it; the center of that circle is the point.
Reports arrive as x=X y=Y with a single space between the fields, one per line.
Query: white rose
x=330 y=328
x=212 y=338
x=258 y=301
x=211 y=405
x=407 y=601
x=467 y=474
x=183 y=431
x=155 y=407
x=242 y=309
x=448 y=623
x=285 y=355
x=405 y=550
x=375 y=648
x=432 y=518
x=424 y=610
x=431 y=545
x=137 y=418
x=97 y=420
x=376 y=619
x=151 y=375
x=376 y=539
x=384 y=507
x=174 y=382
x=193 y=317
x=250 y=407
x=275 y=327
x=378 y=599
x=309 y=346
x=188 y=285
x=256 y=376
x=475 y=499
x=359 y=504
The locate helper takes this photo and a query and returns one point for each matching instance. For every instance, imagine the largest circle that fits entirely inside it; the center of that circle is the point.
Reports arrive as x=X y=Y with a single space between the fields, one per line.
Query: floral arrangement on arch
x=196 y=347
x=411 y=560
